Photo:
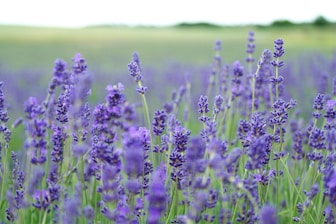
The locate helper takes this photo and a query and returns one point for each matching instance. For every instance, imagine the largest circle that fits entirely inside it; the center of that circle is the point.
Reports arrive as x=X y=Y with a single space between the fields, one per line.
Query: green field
x=110 y=48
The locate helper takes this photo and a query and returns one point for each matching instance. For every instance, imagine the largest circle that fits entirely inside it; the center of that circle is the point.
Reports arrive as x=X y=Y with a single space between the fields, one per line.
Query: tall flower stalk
x=135 y=71
x=277 y=63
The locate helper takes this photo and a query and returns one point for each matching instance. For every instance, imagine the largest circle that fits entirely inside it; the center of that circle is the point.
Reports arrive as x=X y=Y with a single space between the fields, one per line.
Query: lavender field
x=238 y=132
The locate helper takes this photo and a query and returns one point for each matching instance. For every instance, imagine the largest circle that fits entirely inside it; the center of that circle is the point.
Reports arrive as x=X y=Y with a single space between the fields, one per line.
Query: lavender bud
x=159 y=123
x=78 y=64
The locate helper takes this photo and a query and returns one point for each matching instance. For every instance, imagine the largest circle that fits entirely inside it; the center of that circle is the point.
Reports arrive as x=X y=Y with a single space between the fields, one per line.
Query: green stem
x=173 y=205
x=44 y=220
x=147 y=120
x=4 y=178
x=248 y=194
x=253 y=87
x=276 y=84
x=144 y=101
x=253 y=94
x=221 y=122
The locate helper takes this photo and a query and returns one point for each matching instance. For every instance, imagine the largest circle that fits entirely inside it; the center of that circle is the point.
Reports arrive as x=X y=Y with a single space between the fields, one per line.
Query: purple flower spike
x=237 y=85
x=250 y=47
x=133 y=69
x=159 y=123
x=59 y=68
x=317 y=139
x=258 y=153
x=278 y=47
x=278 y=52
x=78 y=64
x=218 y=106
x=136 y=143
x=203 y=108
x=42 y=199
x=319 y=102
x=203 y=105
x=330 y=185
x=58 y=139
x=265 y=58
x=268 y=215
x=157 y=196
x=237 y=69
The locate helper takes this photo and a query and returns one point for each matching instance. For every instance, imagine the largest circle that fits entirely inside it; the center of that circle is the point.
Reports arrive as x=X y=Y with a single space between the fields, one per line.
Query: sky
x=81 y=13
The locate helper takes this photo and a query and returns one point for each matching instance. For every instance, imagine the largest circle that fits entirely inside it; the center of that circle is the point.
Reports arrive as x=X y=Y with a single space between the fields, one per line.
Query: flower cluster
x=200 y=157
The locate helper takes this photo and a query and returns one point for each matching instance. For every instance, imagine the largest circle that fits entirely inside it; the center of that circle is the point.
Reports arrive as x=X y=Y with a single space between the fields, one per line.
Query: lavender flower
x=330 y=112
x=268 y=215
x=231 y=159
x=180 y=138
x=218 y=104
x=237 y=86
x=244 y=133
x=59 y=75
x=279 y=114
x=59 y=68
x=42 y=200
x=298 y=146
x=334 y=86
x=159 y=123
x=203 y=105
x=36 y=127
x=72 y=206
x=134 y=153
x=258 y=153
x=330 y=185
x=176 y=159
x=88 y=212
x=329 y=216
x=203 y=108
x=134 y=68
x=157 y=196
x=58 y=138
x=110 y=182
x=78 y=64
x=264 y=60
x=209 y=131
x=317 y=139
x=141 y=90
x=278 y=52
x=313 y=191
x=115 y=100
x=33 y=108
x=258 y=125
x=194 y=154
x=134 y=71
x=318 y=105
x=3 y=113
x=63 y=104
x=250 y=47
x=16 y=200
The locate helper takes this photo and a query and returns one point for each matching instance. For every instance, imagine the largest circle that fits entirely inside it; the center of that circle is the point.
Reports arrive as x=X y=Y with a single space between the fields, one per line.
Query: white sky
x=78 y=13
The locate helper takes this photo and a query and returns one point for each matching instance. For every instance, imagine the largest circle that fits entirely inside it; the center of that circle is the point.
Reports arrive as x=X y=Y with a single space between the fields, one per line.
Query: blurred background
x=172 y=38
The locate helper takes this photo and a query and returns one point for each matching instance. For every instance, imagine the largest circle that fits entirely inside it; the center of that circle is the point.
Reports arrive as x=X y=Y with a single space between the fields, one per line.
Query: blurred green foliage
x=110 y=48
